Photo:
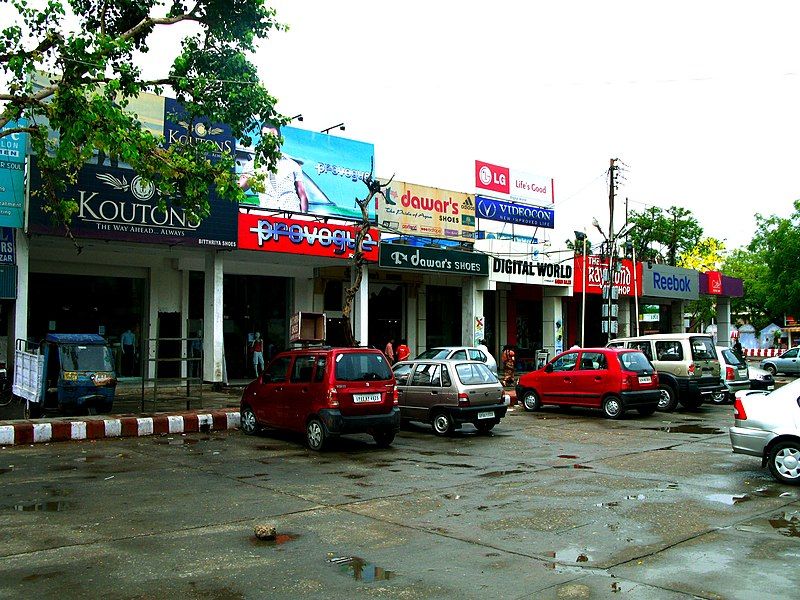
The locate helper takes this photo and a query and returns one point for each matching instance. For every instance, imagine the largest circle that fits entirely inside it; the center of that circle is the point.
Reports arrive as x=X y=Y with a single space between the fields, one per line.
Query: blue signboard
x=13 y=148
x=318 y=174
x=519 y=214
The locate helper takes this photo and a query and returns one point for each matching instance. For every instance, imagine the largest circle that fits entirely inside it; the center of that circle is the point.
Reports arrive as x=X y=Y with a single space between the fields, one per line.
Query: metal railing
x=170 y=389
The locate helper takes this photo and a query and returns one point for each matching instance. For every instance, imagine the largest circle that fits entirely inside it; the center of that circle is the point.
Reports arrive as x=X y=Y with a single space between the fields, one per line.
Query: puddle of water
x=569 y=555
x=501 y=473
x=606 y=504
x=175 y=441
x=577 y=466
x=685 y=429
x=568 y=456
x=5 y=470
x=354 y=476
x=771 y=493
x=359 y=569
x=728 y=499
x=268 y=448
x=49 y=506
x=279 y=540
x=788 y=524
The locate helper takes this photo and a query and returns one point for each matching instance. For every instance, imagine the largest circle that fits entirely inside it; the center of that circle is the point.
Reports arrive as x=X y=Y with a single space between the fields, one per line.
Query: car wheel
x=668 y=400
x=383 y=439
x=530 y=401
x=646 y=411
x=613 y=407
x=784 y=462
x=771 y=368
x=719 y=397
x=315 y=435
x=485 y=426
x=247 y=422
x=443 y=423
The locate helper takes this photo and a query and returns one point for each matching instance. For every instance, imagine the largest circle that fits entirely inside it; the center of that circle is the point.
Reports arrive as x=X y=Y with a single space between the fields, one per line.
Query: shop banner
x=330 y=170
x=518 y=214
x=717 y=284
x=510 y=184
x=515 y=262
x=435 y=260
x=13 y=149
x=179 y=129
x=7 y=253
x=426 y=211
x=310 y=238
x=118 y=204
x=627 y=280
x=664 y=281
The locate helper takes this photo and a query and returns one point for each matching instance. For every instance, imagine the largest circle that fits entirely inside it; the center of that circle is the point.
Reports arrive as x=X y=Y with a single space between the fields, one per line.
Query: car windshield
x=635 y=361
x=703 y=348
x=75 y=357
x=474 y=374
x=362 y=366
x=731 y=358
x=434 y=354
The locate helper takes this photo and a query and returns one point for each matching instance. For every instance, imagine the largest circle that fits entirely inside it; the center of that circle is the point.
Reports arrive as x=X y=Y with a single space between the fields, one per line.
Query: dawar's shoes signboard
x=438 y=260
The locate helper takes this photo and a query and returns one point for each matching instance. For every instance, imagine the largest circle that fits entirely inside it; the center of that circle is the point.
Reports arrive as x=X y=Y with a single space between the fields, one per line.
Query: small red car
x=609 y=378
x=324 y=392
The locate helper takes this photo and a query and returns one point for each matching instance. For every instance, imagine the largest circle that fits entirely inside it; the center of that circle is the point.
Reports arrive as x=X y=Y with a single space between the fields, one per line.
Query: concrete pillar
x=361 y=307
x=626 y=328
x=213 y=345
x=472 y=307
x=303 y=294
x=552 y=323
x=502 y=318
x=723 y=321
x=422 y=323
x=676 y=326
x=18 y=323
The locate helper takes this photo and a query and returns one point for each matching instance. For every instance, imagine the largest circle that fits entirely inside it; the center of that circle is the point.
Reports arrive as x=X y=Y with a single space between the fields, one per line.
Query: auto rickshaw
x=75 y=373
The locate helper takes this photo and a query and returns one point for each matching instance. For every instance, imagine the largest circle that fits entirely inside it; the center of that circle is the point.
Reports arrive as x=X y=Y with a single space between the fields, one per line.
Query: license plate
x=645 y=380
x=361 y=398
x=486 y=415
x=743 y=373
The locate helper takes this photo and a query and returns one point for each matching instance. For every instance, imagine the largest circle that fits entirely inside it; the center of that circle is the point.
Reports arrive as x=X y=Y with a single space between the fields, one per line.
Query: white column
x=472 y=302
x=723 y=321
x=361 y=307
x=552 y=322
x=18 y=323
x=213 y=345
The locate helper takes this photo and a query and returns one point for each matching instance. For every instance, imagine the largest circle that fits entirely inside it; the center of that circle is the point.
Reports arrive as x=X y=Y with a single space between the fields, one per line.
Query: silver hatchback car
x=767 y=425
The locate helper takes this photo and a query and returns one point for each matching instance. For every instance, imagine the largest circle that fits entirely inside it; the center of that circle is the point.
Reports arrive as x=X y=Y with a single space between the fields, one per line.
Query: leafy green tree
x=660 y=236
x=748 y=265
x=706 y=255
x=90 y=51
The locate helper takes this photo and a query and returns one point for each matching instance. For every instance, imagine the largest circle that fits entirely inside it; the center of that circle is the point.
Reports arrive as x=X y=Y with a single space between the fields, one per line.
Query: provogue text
x=341 y=240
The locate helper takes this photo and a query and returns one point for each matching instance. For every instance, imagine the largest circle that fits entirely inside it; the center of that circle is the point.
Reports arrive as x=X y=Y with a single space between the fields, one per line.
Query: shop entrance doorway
x=443 y=316
x=385 y=314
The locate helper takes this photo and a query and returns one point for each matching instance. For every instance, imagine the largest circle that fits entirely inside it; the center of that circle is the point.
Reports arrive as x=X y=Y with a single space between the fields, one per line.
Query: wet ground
x=555 y=504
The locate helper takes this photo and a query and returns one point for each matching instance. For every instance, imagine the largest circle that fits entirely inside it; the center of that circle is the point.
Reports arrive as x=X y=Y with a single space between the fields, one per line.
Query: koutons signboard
x=311 y=238
x=627 y=280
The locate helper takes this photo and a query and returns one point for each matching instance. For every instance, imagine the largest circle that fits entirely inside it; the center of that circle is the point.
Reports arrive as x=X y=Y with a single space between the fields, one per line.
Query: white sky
x=700 y=99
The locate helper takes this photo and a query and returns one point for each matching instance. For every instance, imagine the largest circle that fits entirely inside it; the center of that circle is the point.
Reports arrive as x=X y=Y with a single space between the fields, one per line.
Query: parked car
x=767 y=425
x=447 y=393
x=760 y=379
x=733 y=373
x=615 y=380
x=687 y=364
x=460 y=353
x=324 y=392
x=788 y=363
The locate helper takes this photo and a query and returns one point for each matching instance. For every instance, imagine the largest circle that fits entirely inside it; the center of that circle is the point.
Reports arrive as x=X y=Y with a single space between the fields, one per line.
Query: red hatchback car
x=324 y=392
x=609 y=378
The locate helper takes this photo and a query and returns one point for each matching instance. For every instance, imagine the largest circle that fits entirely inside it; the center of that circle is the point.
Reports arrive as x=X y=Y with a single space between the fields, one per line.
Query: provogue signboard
x=427 y=212
x=518 y=214
x=514 y=185
x=311 y=238
x=664 y=281
x=514 y=262
x=410 y=258
x=118 y=204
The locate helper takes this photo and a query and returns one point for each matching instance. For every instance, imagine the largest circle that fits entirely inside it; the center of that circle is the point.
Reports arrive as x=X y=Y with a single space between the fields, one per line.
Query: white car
x=460 y=353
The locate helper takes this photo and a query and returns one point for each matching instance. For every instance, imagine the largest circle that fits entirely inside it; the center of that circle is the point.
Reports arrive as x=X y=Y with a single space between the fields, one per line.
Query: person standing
x=128 y=341
x=403 y=351
x=509 y=360
x=257 y=348
x=389 y=351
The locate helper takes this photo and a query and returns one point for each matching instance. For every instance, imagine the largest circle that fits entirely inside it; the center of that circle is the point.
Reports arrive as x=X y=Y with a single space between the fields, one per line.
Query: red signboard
x=714 y=279
x=292 y=236
x=491 y=177
x=627 y=280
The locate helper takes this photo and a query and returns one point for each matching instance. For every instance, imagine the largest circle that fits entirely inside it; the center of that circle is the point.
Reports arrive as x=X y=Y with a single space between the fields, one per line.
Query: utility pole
x=612 y=250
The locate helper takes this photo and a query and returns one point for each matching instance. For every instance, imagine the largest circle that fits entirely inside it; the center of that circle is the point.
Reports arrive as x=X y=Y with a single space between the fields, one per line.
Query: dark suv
x=324 y=392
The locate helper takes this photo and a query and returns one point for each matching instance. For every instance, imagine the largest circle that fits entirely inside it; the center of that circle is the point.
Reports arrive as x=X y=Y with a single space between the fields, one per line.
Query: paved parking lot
x=556 y=504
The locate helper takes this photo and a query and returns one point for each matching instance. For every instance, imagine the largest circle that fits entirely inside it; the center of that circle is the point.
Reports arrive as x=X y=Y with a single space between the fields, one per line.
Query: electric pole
x=612 y=249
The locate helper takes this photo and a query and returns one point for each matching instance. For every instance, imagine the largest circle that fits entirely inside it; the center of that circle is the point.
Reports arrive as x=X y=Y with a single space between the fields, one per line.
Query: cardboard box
x=307 y=327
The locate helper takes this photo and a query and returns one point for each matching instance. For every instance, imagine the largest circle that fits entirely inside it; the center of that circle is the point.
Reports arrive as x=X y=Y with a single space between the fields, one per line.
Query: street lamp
x=581 y=237
x=298 y=117
x=339 y=125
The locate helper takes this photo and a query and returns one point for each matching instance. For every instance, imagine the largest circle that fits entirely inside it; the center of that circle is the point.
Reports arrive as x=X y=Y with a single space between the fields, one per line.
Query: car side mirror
x=548 y=368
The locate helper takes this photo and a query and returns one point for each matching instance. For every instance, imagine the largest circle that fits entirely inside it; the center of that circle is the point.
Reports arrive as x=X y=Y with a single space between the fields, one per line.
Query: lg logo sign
x=485 y=175
x=491 y=177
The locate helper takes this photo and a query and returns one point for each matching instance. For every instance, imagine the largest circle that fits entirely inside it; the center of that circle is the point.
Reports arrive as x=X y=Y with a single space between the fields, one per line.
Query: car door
x=557 y=380
x=402 y=374
x=787 y=362
x=589 y=378
x=299 y=393
x=425 y=387
x=271 y=390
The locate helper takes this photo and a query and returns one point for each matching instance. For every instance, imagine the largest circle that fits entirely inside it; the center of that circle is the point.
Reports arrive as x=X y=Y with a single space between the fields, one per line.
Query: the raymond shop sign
x=515 y=262
x=311 y=238
x=118 y=204
x=511 y=184
x=518 y=214
x=627 y=278
x=427 y=212
x=434 y=260
x=664 y=281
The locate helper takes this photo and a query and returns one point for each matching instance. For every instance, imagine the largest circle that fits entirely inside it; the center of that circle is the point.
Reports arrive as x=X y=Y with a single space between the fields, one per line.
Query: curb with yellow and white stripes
x=61 y=430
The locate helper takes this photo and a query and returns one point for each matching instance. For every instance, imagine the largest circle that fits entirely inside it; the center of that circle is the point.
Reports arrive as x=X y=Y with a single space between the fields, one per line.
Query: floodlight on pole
x=340 y=126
